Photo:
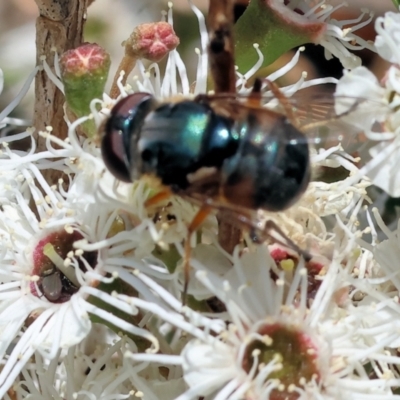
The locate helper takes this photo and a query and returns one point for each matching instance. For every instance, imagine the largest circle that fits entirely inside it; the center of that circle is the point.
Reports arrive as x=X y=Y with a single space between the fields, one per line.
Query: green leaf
x=276 y=29
x=169 y=257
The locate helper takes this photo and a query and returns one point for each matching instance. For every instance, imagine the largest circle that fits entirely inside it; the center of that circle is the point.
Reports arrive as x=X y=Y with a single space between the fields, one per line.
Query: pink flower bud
x=84 y=72
x=89 y=58
x=152 y=41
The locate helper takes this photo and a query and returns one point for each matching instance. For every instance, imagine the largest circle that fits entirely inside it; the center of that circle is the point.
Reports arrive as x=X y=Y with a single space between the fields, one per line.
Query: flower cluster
x=93 y=296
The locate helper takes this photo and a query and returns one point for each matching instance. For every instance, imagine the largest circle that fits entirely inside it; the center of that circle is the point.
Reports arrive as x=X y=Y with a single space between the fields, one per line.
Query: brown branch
x=221 y=46
x=222 y=66
x=59 y=27
x=127 y=64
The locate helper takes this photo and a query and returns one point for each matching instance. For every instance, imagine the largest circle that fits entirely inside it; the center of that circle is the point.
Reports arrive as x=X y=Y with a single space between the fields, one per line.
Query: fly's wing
x=326 y=121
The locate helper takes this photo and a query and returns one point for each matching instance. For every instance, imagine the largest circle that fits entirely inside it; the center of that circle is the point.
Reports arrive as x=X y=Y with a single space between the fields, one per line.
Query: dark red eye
x=119 y=130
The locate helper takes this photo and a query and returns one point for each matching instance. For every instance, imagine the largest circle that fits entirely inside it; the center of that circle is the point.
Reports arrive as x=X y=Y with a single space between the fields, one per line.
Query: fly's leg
x=283 y=101
x=198 y=219
x=157 y=198
x=272 y=231
x=241 y=218
x=254 y=98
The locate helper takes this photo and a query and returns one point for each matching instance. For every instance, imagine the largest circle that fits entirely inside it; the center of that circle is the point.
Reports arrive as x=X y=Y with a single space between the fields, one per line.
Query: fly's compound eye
x=122 y=130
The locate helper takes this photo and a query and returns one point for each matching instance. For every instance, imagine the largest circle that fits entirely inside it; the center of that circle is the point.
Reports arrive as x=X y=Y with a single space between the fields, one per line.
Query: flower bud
x=152 y=41
x=84 y=73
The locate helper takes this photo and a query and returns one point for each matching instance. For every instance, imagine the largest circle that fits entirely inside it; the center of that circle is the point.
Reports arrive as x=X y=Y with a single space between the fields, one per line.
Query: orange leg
x=198 y=219
x=157 y=198
x=271 y=230
x=243 y=219
x=254 y=98
x=283 y=100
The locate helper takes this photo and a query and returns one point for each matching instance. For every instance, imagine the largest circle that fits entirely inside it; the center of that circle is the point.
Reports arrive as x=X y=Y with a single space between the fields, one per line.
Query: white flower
x=264 y=304
x=46 y=278
x=363 y=102
x=387 y=40
x=376 y=288
x=337 y=37
x=94 y=369
x=359 y=91
x=374 y=107
x=91 y=249
x=4 y=119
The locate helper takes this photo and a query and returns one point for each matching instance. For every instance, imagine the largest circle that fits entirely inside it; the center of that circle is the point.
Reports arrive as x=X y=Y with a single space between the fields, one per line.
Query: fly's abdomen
x=271 y=167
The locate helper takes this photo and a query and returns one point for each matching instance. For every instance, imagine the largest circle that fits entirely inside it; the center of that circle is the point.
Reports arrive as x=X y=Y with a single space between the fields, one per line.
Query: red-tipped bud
x=84 y=73
x=152 y=41
x=86 y=60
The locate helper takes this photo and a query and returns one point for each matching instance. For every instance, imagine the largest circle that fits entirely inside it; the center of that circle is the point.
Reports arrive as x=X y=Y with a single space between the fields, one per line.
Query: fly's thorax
x=271 y=168
x=179 y=139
